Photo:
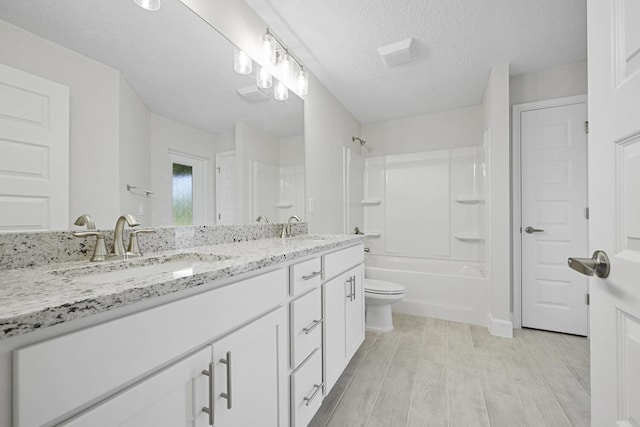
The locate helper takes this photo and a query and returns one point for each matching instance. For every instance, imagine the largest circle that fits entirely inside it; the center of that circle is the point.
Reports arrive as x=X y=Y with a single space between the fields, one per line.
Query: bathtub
x=450 y=290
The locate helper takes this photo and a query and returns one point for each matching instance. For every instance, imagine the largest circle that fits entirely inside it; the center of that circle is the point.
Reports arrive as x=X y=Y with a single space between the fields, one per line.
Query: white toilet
x=378 y=297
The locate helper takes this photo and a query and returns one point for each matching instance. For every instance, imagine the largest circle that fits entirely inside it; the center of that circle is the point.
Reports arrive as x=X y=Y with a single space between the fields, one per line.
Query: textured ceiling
x=457 y=42
x=180 y=66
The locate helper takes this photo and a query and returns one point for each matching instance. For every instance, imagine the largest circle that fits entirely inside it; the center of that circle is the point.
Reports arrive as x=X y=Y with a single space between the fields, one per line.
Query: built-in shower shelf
x=469 y=237
x=373 y=234
x=470 y=200
x=284 y=205
x=371 y=202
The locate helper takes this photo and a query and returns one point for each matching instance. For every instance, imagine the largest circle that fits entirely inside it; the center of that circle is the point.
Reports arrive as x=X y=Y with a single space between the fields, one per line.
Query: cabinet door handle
x=312 y=275
x=309 y=399
x=209 y=410
x=350 y=294
x=311 y=327
x=227 y=395
x=353 y=286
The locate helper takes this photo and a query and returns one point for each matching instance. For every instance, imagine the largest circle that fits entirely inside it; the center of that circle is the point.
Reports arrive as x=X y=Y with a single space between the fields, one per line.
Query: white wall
x=291 y=151
x=460 y=127
x=328 y=126
x=554 y=82
x=134 y=153
x=93 y=128
x=497 y=124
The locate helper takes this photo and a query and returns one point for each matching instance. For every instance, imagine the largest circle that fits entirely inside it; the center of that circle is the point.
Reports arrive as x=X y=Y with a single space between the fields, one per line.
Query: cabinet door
x=354 y=312
x=250 y=383
x=173 y=397
x=335 y=294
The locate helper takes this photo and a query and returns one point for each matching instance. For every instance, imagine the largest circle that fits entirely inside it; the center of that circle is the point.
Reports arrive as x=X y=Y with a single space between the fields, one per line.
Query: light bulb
x=302 y=82
x=152 y=5
x=241 y=62
x=269 y=48
x=264 y=79
x=280 y=91
x=285 y=66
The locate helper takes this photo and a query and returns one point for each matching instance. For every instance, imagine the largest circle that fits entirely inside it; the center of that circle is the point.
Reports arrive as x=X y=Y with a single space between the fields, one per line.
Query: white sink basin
x=179 y=265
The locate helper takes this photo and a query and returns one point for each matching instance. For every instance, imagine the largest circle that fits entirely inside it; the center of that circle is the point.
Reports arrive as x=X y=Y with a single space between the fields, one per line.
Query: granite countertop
x=35 y=298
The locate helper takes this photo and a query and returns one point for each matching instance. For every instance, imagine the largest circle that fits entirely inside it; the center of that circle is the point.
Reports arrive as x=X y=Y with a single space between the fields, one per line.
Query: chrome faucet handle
x=87 y=220
x=134 y=249
x=100 y=251
x=262 y=218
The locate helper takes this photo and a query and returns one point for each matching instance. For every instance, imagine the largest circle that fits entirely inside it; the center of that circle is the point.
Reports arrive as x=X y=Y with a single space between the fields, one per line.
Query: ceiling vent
x=253 y=94
x=397 y=53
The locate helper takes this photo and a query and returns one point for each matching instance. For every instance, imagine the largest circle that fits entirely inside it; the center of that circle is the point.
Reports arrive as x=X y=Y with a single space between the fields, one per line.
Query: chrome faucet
x=118 y=234
x=262 y=218
x=286 y=228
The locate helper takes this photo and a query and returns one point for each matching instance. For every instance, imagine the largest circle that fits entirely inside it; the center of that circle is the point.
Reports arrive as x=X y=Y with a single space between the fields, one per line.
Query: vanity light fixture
x=290 y=71
x=280 y=91
x=241 y=62
x=264 y=78
x=151 y=5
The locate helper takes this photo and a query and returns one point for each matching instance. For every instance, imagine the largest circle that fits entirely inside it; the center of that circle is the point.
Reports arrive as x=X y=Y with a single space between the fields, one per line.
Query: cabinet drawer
x=306 y=390
x=306 y=326
x=93 y=362
x=305 y=275
x=341 y=261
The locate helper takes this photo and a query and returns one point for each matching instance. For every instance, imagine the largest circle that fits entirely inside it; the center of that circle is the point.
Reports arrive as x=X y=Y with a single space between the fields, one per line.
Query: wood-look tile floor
x=430 y=372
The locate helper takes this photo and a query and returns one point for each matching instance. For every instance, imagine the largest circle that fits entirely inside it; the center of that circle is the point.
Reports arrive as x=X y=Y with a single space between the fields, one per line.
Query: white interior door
x=554 y=222
x=614 y=193
x=226 y=188
x=34 y=152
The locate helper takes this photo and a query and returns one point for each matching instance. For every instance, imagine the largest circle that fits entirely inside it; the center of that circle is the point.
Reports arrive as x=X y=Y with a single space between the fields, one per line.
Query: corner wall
x=497 y=137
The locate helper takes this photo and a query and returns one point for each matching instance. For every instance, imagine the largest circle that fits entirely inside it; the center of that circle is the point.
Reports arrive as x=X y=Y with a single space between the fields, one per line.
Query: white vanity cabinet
x=343 y=309
x=173 y=397
x=56 y=378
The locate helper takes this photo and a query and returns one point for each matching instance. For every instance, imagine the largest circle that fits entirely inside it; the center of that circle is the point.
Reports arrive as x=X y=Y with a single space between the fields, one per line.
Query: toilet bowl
x=378 y=297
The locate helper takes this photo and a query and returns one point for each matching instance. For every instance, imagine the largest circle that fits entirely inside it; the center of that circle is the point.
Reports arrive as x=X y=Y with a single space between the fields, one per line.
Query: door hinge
x=586 y=212
x=218 y=170
x=586 y=127
x=219 y=216
x=588 y=298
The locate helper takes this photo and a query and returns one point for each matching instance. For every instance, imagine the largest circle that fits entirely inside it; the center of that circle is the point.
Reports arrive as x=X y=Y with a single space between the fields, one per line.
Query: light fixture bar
x=286 y=50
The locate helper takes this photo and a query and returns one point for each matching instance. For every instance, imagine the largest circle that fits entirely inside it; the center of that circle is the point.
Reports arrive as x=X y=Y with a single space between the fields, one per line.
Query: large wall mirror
x=161 y=125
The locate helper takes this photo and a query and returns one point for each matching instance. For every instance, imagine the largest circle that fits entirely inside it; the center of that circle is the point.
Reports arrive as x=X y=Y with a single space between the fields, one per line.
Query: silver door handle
x=598 y=264
x=209 y=410
x=227 y=395
x=531 y=230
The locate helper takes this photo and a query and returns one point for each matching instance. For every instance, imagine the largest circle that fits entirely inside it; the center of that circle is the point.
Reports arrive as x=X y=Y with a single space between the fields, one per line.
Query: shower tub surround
x=41 y=291
x=425 y=220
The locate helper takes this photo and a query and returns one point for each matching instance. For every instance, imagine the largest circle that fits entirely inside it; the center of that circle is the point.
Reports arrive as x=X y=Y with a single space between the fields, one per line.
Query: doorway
x=550 y=213
x=189 y=190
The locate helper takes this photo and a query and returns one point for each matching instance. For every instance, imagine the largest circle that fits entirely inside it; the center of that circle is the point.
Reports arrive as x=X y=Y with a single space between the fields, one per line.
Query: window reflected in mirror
x=182 y=194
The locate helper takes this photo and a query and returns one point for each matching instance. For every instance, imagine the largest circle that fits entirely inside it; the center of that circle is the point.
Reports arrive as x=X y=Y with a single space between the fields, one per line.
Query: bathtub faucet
x=367 y=249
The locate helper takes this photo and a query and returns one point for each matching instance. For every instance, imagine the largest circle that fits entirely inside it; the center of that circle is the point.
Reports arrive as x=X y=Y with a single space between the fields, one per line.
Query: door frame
x=516 y=192
x=219 y=155
x=201 y=184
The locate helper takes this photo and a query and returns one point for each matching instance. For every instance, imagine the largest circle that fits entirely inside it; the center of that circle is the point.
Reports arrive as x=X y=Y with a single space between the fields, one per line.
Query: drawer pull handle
x=314 y=325
x=317 y=388
x=227 y=395
x=209 y=410
x=312 y=275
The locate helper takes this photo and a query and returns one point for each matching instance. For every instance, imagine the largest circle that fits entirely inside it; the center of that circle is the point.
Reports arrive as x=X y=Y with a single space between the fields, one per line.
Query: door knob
x=598 y=264
x=531 y=230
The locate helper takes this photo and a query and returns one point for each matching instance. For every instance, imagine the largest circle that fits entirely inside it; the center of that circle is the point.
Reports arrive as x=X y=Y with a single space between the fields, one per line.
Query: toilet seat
x=382 y=287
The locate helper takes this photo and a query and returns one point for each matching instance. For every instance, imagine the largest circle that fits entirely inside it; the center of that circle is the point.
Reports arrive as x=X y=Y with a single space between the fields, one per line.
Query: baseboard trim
x=500 y=328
